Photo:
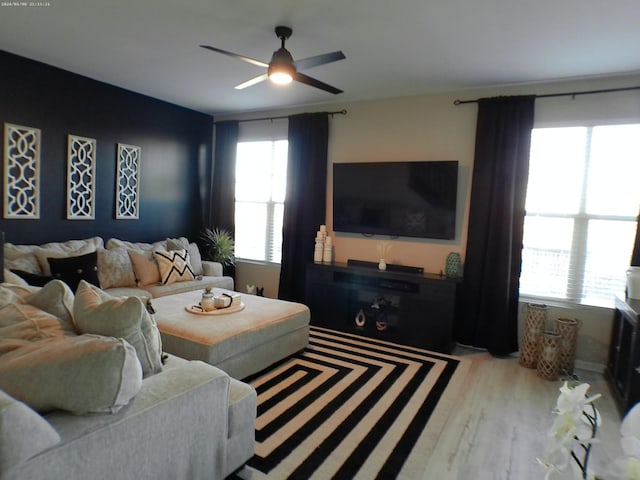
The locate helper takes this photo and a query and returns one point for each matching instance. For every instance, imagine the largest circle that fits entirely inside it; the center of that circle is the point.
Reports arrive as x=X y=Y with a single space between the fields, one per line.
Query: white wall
x=433 y=128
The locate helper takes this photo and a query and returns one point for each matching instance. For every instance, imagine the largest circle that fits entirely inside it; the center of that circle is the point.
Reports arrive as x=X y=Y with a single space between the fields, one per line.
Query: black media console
x=410 y=308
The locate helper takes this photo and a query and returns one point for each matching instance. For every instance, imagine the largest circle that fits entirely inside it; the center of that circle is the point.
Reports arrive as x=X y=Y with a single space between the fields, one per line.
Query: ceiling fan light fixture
x=281 y=68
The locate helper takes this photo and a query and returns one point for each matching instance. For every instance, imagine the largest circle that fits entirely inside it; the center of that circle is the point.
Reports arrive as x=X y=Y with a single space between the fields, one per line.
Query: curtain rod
x=568 y=94
x=337 y=112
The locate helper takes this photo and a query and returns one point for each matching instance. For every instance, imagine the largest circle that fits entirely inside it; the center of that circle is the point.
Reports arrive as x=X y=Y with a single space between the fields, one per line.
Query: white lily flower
x=574 y=399
x=574 y=426
x=628 y=467
x=630 y=431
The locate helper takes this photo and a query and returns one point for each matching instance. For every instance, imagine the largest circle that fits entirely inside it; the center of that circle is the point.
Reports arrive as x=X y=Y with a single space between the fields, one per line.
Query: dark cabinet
x=409 y=308
x=623 y=367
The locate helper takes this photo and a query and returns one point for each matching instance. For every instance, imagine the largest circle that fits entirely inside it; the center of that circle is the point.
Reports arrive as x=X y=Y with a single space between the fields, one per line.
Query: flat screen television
x=399 y=199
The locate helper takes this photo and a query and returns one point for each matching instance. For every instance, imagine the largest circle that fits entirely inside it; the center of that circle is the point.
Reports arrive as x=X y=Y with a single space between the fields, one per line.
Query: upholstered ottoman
x=241 y=343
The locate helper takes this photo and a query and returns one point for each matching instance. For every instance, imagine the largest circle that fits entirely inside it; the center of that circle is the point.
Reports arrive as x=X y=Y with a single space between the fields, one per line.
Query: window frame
x=578 y=260
x=270 y=204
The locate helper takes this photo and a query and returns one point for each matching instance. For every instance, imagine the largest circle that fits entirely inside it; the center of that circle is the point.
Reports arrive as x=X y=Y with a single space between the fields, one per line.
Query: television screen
x=404 y=199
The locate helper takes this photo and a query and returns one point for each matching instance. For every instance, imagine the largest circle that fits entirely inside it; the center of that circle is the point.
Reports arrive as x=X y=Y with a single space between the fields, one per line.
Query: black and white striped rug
x=352 y=407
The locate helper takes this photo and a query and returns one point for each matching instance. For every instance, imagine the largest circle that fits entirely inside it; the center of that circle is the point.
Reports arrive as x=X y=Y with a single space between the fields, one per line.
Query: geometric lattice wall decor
x=21 y=172
x=81 y=178
x=128 y=181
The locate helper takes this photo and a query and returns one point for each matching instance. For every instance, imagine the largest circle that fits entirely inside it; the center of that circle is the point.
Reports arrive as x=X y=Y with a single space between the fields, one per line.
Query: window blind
x=581 y=210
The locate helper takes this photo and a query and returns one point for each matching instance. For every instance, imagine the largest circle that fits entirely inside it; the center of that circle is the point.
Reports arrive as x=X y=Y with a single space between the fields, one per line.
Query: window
x=582 y=205
x=261 y=172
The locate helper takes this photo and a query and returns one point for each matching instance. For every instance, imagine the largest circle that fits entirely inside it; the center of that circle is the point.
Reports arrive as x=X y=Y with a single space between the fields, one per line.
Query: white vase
x=207 y=302
x=382 y=265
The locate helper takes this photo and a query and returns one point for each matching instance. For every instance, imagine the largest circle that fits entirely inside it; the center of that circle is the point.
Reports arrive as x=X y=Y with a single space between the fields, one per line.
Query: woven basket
x=549 y=361
x=567 y=328
x=533 y=328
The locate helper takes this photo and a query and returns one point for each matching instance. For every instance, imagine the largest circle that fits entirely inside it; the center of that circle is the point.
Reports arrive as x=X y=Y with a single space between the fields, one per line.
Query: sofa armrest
x=176 y=427
x=211 y=269
x=23 y=433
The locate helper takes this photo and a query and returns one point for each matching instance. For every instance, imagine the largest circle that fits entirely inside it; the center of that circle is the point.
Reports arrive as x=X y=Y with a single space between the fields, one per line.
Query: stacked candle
x=328 y=250
x=321 y=236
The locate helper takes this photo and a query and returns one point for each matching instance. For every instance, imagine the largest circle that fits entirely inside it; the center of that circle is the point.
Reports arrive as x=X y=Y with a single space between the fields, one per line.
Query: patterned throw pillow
x=174 y=266
x=114 y=268
x=195 y=259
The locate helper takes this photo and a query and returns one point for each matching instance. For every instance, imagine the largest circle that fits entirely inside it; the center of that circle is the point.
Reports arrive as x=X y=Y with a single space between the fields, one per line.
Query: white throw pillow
x=99 y=313
x=55 y=298
x=145 y=267
x=174 y=266
x=80 y=374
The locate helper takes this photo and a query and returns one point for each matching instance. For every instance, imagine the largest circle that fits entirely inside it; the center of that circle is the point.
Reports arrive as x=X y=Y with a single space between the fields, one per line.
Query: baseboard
x=590 y=366
x=584 y=365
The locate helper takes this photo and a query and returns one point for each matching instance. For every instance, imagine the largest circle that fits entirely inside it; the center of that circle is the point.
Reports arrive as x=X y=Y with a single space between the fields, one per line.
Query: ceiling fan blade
x=253 y=61
x=310 y=62
x=253 y=81
x=307 y=80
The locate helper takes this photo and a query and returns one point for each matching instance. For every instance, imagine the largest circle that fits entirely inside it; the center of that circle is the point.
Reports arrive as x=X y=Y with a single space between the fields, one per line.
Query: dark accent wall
x=176 y=154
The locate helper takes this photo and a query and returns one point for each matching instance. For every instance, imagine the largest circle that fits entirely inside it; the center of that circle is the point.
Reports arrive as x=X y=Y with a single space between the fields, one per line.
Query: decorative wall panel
x=128 y=187
x=81 y=178
x=21 y=172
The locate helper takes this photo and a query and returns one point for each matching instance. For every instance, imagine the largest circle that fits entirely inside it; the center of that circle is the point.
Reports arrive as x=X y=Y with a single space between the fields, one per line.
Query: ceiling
x=399 y=48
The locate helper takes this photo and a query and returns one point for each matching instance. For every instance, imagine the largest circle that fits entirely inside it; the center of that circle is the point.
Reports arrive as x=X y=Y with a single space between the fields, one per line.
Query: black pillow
x=73 y=269
x=33 y=278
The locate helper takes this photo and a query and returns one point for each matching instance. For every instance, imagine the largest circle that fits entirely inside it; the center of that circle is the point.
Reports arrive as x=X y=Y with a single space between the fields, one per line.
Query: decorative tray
x=218 y=311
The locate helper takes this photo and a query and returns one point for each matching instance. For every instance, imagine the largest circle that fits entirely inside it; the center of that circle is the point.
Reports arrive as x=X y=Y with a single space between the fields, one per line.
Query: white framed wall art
x=81 y=177
x=128 y=182
x=21 y=172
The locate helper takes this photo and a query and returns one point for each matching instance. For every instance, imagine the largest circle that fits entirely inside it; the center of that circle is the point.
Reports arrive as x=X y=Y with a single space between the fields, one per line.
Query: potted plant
x=219 y=246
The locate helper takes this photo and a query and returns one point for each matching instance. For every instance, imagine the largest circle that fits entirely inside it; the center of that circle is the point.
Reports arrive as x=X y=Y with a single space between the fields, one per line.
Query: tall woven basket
x=548 y=363
x=567 y=328
x=533 y=328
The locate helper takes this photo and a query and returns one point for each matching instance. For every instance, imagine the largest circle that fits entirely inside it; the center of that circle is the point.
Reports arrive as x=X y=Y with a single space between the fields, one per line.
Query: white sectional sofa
x=83 y=389
x=80 y=404
x=84 y=394
x=121 y=266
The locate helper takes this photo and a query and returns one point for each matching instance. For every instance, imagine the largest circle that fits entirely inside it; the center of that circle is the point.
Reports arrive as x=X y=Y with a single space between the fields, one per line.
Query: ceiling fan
x=283 y=68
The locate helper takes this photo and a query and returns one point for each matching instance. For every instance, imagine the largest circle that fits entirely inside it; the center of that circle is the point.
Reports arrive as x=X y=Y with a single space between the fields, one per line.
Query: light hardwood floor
x=502 y=420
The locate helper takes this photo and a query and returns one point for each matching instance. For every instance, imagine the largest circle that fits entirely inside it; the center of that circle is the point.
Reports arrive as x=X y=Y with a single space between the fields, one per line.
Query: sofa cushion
x=80 y=374
x=114 y=268
x=23 y=433
x=97 y=312
x=116 y=243
x=25 y=263
x=181 y=287
x=14 y=293
x=22 y=324
x=145 y=267
x=10 y=277
x=174 y=266
x=73 y=269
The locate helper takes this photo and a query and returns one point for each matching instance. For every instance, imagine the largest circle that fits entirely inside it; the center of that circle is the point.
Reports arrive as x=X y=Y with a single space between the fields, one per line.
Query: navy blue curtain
x=305 y=203
x=494 y=242
x=224 y=176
